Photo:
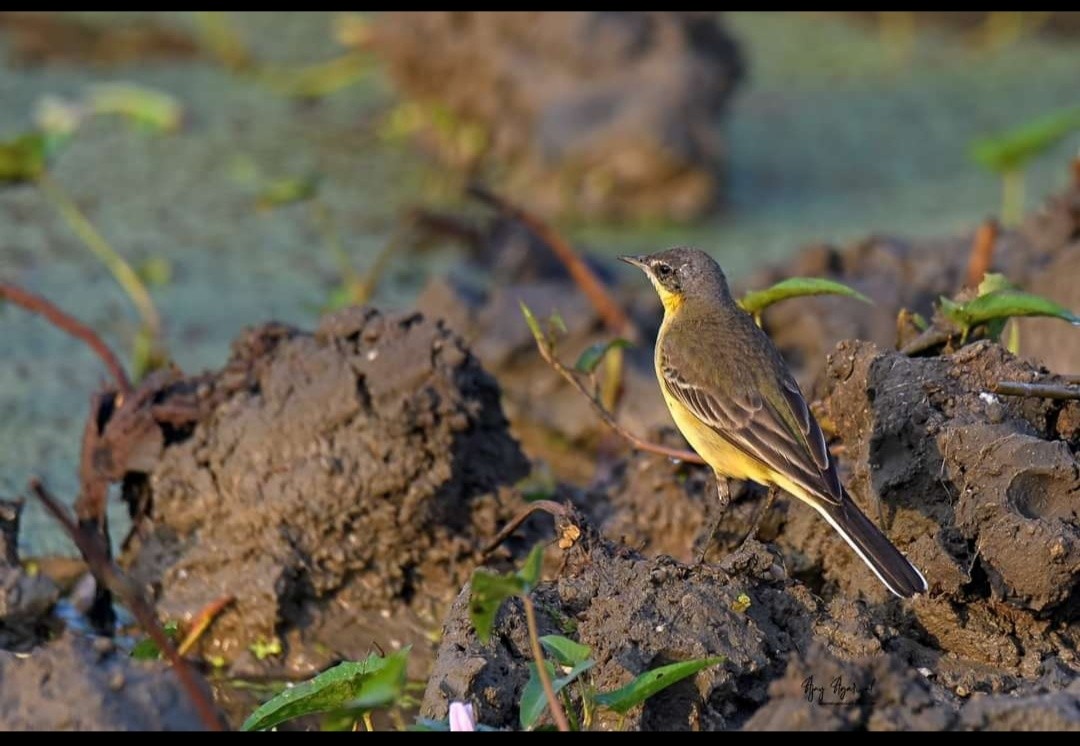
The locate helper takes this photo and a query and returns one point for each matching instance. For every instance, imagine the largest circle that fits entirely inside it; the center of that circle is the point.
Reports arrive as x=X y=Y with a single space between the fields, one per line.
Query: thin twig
x=982 y=252
x=548 y=506
x=1037 y=390
x=607 y=418
x=71 y=325
x=202 y=622
x=610 y=311
x=541 y=669
x=928 y=339
x=107 y=574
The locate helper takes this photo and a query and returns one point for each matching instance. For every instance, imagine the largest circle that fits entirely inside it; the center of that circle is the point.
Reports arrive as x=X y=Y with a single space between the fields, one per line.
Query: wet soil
x=978 y=490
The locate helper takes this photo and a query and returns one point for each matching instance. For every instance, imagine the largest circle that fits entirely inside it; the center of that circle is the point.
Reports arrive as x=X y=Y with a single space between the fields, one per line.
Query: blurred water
x=830 y=139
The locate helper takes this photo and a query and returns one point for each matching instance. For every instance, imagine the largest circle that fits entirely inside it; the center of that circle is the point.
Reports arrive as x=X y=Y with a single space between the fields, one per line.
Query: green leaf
x=263 y=649
x=556 y=322
x=24 y=158
x=287 y=191
x=353 y=685
x=156 y=271
x=488 y=591
x=530 y=571
x=427 y=725
x=1011 y=150
x=594 y=353
x=1003 y=304
x=533 y=700
x=145 y=107
x=649 y=683
x=534 y=325
x=147 y=650
x=795 y=287
x=993 y=281
x=566 y=651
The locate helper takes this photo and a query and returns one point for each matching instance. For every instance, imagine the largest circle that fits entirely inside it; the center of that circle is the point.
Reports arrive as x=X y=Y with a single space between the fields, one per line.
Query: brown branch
x=548 y=506
x=610 y=311
x=607 y=418
x=982 y=252
x=74 y=327
x=109 y=575
x=1037 y=390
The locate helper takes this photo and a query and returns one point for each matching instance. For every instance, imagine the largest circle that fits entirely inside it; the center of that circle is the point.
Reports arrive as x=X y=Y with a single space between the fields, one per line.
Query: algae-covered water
x=833 y=136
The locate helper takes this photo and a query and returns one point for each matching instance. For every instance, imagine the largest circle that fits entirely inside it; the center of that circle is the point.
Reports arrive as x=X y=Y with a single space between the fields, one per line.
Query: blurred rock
x=604 y=114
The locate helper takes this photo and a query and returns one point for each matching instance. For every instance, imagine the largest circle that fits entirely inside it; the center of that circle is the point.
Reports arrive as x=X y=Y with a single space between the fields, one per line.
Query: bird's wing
x=782 y=435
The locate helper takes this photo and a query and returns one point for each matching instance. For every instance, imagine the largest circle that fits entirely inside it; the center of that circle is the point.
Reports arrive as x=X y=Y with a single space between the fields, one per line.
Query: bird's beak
x=637 y=261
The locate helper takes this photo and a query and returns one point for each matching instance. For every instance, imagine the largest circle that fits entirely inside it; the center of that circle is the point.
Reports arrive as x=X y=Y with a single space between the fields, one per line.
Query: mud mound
x=594 y=113
x=75 y=684
x=347 y=480
x=980 y=489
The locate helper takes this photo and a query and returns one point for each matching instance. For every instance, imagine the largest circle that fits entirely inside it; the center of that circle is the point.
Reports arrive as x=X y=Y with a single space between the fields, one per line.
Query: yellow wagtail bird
x=733 y=398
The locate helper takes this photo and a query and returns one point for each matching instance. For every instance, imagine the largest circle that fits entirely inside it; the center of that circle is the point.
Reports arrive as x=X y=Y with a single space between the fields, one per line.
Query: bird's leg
x=723 y=491
x=769 y=497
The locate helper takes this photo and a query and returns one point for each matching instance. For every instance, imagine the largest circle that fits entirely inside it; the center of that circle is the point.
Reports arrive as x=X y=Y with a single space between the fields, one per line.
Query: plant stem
x=116 y=264
x=1012 y=197
x=541 y=670
x=1037 y=390
x=71 y=325
x=982 y=252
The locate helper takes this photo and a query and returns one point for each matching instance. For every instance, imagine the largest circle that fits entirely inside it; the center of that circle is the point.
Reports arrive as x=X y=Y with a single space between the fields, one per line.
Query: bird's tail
x=891 y=567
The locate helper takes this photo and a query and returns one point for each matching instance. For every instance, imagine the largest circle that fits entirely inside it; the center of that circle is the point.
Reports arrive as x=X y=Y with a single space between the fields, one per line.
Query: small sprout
x=755 y=302
x=1007 y=154
x=490 y=590
x=741 y=604
x=263 y=649
x=534 y=702
x=359 y=686
x=566 y=651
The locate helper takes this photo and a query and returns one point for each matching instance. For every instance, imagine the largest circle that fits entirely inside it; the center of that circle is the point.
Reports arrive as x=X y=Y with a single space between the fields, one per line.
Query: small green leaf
x=351 y=685
x=649 y=683
x=594 y=353
x=795 y=287
x=533 y=700
x=556 y=322
x=1003 y=304
x=534 y=325
x=263 y=649
x=488 y=591
x=1011 y=150
x=530 y=571
x=147 y=650
x=153 y=110
x=993 y=281
x=286 y=191
x=566 y=651
x=156 y=271
x=24 y=158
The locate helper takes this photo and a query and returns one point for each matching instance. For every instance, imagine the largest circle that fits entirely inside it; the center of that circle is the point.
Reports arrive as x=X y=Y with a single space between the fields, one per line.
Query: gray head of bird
x=683 y=273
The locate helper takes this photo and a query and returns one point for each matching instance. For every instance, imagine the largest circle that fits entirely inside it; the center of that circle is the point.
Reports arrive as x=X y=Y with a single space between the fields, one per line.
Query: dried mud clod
x=349 y=477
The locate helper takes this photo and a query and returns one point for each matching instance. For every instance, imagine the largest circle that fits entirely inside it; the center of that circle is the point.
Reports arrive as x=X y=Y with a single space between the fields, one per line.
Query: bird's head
x=682 y=274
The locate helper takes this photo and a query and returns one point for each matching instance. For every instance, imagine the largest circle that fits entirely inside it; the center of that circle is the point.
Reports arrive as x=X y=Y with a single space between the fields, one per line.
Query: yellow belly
x=720 y=455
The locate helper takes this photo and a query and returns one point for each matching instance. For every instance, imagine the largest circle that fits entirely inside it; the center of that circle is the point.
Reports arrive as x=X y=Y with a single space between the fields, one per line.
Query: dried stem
x=74 y=327
x=107 y=574
x=202 y=622
x=610 y=311
x=607 y=418
x=548 y=506
x=1037 y=390
x=982 y=252
x=538 y=655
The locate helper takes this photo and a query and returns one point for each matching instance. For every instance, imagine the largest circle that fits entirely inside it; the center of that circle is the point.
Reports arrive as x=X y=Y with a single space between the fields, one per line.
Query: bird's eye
x=663 y=270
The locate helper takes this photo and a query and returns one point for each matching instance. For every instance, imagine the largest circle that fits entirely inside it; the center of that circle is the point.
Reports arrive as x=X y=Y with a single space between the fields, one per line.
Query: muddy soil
x=978 y=490
x=597 y=113
x=341 y=493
